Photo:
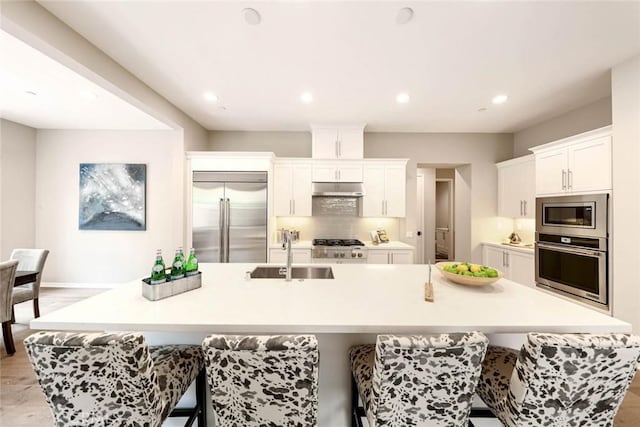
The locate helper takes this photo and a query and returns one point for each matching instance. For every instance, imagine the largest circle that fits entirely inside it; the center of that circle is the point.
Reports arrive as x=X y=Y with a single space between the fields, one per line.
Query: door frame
x=451 y=188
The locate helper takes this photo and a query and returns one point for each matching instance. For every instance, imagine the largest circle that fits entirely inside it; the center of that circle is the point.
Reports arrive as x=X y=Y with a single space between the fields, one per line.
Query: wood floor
x=22 y=403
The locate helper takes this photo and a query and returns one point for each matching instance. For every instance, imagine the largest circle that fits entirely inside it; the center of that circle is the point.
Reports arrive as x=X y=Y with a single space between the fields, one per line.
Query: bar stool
x=426 y=380
x=560 y=380
x=103 y=379
x=263 y=380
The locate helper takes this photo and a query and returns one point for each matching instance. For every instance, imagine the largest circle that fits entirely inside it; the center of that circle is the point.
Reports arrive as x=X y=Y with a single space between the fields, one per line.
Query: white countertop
x=392 y=244
x=361 y=299
x=518 y=248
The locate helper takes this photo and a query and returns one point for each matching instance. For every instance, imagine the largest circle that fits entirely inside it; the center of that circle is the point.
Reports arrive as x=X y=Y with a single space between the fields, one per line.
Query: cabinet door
x=590 y=165
x=324 y=143
x=401 y=257
x=549 y=176
x=527 y=184
x=351 y=143
x=349 y=172
x=374 y=186
x=510 y=201
x=494 y=257
x=324 y=173
x=377 y=257
x=395 y=191
x=521 y=268
x=301 y=182
x=283 y=190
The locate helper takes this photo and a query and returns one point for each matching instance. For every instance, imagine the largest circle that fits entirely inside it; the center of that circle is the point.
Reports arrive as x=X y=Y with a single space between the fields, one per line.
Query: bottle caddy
x=180 y=277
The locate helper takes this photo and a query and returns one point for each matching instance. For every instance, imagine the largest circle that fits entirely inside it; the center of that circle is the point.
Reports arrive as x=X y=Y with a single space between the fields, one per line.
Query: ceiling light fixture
x=499 y=99
x=210 y=97
x=251 y=16
x=404 y=15
x=306 y=97
x=402 y=98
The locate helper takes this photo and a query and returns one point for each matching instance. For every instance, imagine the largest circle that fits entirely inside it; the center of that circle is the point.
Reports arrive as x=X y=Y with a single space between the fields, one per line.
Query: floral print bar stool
x=263 y=380
x=104 y=379
x=567 y=380
x=426 y=380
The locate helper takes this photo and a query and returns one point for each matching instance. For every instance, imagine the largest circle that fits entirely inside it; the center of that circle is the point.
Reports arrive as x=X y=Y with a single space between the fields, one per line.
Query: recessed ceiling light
x=499 y=99
x=306 y=97
x=404 y=15
x=251 y=16
x=210 y=97
x=88 y=94
x=402 y=98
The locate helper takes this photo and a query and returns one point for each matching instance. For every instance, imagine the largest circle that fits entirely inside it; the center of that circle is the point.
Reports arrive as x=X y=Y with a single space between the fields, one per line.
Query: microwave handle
x=575 y=251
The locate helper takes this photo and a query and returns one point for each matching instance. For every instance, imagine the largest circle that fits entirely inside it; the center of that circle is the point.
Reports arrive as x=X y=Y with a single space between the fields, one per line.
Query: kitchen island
x=360 y=302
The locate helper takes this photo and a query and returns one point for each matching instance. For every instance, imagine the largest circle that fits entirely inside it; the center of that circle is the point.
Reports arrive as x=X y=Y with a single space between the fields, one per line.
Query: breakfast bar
x=360 y=302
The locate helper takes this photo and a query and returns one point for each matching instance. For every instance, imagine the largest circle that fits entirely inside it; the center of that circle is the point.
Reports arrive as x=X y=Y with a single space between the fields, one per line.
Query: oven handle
x=586 y=252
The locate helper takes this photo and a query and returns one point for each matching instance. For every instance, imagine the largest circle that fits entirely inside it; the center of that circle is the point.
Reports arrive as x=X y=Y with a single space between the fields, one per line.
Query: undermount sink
x=278 y=272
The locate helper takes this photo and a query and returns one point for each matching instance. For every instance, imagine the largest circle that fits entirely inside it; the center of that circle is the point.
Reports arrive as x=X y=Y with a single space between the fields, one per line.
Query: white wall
x=585 y=118
x=283 y=144
x=17 y=187
x=625 y=85
x=106 y=257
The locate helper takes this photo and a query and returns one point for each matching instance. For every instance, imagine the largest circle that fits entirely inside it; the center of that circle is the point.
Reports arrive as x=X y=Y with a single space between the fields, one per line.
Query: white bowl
x=467 y=280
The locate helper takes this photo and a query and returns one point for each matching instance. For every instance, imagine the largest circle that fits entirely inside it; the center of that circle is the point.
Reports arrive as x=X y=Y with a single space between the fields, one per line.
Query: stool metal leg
x=201 y=398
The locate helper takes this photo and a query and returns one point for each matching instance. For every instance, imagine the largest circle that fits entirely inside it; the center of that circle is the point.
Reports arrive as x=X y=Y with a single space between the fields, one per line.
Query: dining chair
x=32 y=260
x=263 y=380
x=567 y=380
x=7 y=277
x=417 y=380
x=115 y=379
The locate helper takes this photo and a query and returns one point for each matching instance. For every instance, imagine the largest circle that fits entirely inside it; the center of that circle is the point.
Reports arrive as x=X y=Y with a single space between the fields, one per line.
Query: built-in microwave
x=584 y=215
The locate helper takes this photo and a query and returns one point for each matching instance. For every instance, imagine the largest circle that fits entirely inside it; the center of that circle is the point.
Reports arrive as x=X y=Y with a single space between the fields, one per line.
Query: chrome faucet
x=286 y=246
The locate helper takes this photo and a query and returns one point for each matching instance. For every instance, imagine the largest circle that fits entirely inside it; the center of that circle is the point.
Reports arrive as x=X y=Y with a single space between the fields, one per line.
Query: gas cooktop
x=337 y=242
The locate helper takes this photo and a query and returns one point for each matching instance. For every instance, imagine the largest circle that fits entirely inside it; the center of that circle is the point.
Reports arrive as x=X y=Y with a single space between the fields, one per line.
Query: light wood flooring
x=22 y=403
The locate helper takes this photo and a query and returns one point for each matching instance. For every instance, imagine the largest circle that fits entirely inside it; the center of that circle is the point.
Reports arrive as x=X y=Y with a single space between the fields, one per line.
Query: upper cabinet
x=578 y=164
x=385 y=188
x=292 y=184
x=332 y=171
x=337 y=142
x=517 y=187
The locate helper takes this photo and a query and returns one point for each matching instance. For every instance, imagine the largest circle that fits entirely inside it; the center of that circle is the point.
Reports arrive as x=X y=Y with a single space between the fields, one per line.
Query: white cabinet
x=337 y=171
x=389 y=256
x=332 y=142
x=517 y=187
x=385 y=189
x=578 y=164
x=515 y=265
x=292 y=188
x=300 y=256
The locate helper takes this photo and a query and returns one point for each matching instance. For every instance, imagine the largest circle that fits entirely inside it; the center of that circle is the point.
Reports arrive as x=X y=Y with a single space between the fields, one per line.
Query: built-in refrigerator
x=229 y=220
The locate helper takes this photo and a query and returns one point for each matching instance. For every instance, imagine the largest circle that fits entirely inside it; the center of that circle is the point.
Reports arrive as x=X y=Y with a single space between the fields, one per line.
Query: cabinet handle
x=336 y=149
x=382 y=212
x=570 y=179
x=507 y=256
x=564 y=177
x=520 y=207
x=294 y=206
x=524 y=202
x=504 y=264
x=339 y=148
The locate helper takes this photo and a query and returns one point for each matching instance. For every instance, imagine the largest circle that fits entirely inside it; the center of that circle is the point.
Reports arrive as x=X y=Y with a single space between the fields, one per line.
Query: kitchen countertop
x=361 y=299
x=392 y=244
x=518 y=248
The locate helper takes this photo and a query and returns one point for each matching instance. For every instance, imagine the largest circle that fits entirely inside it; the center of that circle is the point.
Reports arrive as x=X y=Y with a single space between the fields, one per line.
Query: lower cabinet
x=300 y=256
x=515 y=265
x=389 y=256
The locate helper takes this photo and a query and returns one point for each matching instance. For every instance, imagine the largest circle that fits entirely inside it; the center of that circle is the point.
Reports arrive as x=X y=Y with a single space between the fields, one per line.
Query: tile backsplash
x=338 y=227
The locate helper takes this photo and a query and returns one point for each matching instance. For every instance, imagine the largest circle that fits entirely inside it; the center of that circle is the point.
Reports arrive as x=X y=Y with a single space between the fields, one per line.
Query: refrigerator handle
x=227 y=220
x=222 y=230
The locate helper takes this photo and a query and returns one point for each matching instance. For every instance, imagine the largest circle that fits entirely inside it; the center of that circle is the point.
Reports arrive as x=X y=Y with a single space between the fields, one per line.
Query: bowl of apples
x=465 y=273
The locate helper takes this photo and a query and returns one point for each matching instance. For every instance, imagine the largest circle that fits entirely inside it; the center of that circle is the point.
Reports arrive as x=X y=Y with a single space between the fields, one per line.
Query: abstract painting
x=112 y=196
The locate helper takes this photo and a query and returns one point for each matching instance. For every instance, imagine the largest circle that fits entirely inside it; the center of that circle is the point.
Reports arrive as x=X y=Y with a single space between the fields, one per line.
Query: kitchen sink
x=278 y=272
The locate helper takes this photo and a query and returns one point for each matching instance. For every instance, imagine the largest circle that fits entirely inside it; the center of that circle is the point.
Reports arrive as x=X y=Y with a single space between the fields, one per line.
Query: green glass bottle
x=177 y=268
x=192 y=263
x=158 y=274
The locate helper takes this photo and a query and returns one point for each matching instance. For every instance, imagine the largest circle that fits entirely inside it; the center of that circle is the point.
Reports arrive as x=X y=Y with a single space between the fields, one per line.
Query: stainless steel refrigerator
x=230 y=216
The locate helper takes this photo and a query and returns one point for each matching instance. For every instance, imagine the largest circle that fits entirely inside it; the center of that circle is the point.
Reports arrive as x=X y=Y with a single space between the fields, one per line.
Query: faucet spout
x=286 y=245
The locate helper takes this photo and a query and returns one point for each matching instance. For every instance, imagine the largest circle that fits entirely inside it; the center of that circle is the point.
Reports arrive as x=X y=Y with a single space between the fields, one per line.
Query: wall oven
x=572 y=242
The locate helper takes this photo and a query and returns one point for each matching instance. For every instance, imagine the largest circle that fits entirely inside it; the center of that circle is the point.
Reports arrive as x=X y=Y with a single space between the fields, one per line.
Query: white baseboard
x=79 y=285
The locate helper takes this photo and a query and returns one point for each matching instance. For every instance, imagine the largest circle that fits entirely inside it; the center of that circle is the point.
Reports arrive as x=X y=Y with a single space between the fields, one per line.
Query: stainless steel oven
x=572 y=242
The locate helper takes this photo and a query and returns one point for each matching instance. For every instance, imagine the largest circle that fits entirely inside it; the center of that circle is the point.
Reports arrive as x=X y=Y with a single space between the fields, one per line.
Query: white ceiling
x=452 y=58
x=59 y=98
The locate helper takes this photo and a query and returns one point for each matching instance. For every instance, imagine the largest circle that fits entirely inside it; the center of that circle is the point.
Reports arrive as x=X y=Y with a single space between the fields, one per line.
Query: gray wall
x=588 y=117
x=17 y=187
x=283 y=144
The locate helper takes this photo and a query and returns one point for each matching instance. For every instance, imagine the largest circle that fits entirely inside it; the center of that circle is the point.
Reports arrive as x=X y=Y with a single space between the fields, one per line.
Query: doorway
x=444 y=219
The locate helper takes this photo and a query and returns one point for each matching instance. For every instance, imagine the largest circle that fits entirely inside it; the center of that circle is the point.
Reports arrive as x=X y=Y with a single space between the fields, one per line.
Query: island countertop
x=361 y=299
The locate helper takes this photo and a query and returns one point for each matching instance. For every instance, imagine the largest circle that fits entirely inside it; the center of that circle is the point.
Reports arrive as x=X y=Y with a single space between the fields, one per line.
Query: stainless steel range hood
x=337 y=189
